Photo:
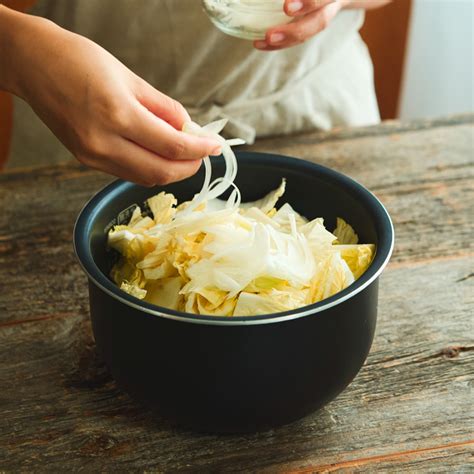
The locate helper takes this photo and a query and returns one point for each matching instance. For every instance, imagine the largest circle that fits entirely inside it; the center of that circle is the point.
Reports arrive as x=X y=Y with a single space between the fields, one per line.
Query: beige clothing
x=325 y=82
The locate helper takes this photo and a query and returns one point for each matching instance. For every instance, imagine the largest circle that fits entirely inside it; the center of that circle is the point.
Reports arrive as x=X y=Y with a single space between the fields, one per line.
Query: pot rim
x=81 y=242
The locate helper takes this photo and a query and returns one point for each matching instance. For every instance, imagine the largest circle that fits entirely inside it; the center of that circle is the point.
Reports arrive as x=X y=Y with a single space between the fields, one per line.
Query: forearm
x=19 y=33
x=365 y=4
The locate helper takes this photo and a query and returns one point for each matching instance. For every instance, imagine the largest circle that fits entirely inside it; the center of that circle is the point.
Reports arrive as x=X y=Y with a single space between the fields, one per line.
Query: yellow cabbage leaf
x=163 y=207
x=332 y=275
x=345 y=233
x=357 y=257
x=133 y=290
x=275 y=301
x=165 y=292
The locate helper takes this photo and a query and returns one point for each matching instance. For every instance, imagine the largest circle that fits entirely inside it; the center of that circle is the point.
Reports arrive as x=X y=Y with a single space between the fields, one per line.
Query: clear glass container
x=248 y=19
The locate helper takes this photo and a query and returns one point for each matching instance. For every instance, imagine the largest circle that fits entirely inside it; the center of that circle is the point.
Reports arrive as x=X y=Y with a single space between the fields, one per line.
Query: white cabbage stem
x=214 y=189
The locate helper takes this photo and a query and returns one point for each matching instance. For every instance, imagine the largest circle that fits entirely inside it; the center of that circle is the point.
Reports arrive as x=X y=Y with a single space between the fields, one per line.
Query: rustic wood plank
x=452 y=457
x=36 y=254
x=409 y=409
x=388 y=127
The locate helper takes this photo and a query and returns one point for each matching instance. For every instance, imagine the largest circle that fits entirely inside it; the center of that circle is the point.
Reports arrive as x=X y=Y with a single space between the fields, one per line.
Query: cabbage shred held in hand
x=223 y=258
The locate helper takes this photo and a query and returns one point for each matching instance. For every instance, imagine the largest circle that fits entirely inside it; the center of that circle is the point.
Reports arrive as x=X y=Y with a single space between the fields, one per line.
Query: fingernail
x=277 y=37
x=261 y=44
x=295 y=6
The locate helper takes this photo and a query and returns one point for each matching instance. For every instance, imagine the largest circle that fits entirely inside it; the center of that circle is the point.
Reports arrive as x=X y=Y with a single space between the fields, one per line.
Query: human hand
x=311 y=17
x=108 y=117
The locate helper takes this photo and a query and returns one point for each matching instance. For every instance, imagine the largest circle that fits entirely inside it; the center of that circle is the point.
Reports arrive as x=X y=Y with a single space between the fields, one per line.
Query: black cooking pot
x=238 y=374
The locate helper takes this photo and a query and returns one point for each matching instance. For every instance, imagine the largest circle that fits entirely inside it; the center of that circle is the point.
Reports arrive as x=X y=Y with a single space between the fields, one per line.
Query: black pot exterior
x=238 y=374
x=234 y=378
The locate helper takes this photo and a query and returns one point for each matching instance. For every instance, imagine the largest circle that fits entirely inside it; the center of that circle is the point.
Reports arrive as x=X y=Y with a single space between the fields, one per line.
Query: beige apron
x=326 y=82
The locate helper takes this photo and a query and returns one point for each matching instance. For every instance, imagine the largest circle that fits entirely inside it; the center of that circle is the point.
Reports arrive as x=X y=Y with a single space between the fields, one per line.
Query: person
x=313 y=73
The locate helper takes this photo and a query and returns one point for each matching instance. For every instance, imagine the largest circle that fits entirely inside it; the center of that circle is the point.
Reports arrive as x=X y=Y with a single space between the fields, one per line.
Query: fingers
x=157 y=124
x=161 y=105
x=301 y=7
x=131 y=162
x=300 y=30
x=159 y=137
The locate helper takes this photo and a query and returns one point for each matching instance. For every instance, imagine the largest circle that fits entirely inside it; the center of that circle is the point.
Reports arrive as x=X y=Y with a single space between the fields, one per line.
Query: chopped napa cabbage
x=275 y=301
x=319 y=239
x=133 y=246
x=165 y=270
x=219 y=257
x=286 y=214
x=251 y=304
x=345 y=233
x=332 y=275
x=268 y=202
x=163 y=207
x=265 y=283
x=133 y=290
x=358 y=257
x=165 y=292
x=225 y=309
x=136 y=216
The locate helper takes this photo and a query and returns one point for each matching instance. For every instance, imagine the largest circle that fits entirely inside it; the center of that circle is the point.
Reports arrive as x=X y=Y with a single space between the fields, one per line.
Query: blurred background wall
x=423 y=55
x=439 y=71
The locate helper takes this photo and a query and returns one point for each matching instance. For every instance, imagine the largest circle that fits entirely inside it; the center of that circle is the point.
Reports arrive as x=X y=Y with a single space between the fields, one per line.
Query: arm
x=311 y=17
x=109 y=118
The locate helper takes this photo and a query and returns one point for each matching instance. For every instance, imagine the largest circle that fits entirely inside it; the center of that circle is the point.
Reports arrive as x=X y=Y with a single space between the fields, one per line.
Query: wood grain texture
x=410 y=409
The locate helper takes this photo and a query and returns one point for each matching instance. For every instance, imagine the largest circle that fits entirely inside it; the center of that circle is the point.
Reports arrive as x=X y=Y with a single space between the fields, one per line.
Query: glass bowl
x=247 y=19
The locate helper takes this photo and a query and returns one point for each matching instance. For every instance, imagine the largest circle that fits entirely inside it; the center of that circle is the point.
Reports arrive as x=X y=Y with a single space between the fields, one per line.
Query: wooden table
x=411 y=408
